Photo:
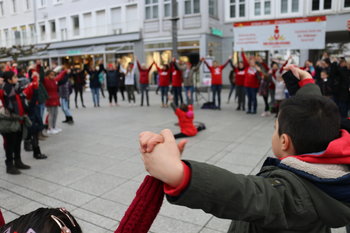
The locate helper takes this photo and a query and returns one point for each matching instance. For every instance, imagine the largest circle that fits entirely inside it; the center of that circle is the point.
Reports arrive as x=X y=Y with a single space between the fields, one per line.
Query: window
x=262 y=7
x=41 y=3
x=1 y=8
x=57 y=1
x=14 y=7
x=24 y=34
x=75 y=23
x=289 y=6
x=42 y=32
x=318 y=5
x=32 y=33
x=151 y=8
x=7 y=38
x=213 y=8
x=53 y=29
x=192 y=7
x=167 y=8
x=27 y=4
x=346 y=3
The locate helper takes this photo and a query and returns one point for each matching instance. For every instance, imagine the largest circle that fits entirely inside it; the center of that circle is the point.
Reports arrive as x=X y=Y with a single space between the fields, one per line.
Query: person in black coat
x=79 y=84
x=112 y=84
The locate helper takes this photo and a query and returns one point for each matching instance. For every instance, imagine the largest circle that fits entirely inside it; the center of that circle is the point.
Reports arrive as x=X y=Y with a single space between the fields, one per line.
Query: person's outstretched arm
x=150 y=67
x=245 y=60
x=225 y=64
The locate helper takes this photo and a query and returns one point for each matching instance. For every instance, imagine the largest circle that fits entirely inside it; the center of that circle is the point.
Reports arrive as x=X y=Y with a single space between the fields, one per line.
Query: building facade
x=111 y=29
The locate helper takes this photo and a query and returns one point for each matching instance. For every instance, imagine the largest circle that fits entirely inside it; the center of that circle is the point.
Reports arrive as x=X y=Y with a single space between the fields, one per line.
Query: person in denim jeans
x=95 y=84
x=189 y=74
x=216 y=79
x=63 y=90
x=164 y=82
x=144 y=80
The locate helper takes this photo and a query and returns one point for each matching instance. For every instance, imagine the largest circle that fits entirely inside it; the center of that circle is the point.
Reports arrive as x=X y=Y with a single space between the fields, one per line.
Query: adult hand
x=148 y=140
x=164 y=162
x=298 y=73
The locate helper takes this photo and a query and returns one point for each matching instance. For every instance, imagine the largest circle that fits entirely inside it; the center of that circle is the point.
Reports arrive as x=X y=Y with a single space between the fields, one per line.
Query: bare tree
x=17 y=51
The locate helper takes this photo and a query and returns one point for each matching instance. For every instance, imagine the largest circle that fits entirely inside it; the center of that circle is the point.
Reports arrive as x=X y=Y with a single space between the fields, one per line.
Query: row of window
x=14 y=6
x=239 y=8
x=190 y=7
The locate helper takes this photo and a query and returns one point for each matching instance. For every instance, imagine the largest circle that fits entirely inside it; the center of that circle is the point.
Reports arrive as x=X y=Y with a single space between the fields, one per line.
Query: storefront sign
x=72 y=52
x=217 y=32
x=296 y=33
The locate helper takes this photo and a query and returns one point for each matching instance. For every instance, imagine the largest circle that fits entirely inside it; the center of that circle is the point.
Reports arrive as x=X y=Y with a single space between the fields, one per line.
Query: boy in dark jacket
x=305 y=189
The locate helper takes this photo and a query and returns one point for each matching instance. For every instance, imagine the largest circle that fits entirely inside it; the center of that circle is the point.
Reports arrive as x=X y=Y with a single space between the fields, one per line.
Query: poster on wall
x=293 y=33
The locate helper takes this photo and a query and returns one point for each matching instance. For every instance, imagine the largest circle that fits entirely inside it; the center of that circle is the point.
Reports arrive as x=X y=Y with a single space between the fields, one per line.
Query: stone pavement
x=94 y=167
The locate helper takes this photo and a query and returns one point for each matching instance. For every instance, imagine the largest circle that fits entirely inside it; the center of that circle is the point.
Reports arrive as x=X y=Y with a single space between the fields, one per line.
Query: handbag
x=9 y=123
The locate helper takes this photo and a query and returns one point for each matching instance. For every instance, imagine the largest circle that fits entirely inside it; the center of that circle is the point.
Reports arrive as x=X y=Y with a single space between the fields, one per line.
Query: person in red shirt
x=176 y=75
x=239 y=82
x=251 y=82
x=144 y=80
x=216 y=79
x=12 y=99
x=185 y=115
x=164 y=82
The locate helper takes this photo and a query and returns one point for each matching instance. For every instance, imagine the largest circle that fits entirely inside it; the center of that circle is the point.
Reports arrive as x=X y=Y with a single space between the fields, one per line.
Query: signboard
x=217 y=32
x=294 y=33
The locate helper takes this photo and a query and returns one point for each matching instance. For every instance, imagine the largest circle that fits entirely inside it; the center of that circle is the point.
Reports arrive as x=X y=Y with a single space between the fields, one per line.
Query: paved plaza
x=94 y=167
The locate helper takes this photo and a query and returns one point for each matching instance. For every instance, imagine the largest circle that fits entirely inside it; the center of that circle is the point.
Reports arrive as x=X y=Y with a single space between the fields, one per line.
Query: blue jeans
x=64 y=106
x=164 y=91
x=144 y=91
x=252 y=99
x=216 y=89
x=189 y=90
x=96 y=96
x=42 y=110
x=177 y=95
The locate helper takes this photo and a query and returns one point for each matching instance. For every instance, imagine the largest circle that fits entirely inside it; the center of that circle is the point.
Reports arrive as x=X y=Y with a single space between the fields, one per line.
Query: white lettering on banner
x=217 y=71
x=297 y=33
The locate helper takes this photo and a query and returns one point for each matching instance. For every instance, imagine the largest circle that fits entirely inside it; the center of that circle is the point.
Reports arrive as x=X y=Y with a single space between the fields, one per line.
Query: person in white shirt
x=130 y=81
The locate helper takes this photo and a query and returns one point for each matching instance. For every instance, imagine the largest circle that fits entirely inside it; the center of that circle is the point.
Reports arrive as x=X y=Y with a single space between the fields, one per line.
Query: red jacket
x=240 y=76
x=176 y=76
x=186 y=121
x=52 y=90
x=144 y=73
x=251 y=80
x=216 y=73
x=164 y=77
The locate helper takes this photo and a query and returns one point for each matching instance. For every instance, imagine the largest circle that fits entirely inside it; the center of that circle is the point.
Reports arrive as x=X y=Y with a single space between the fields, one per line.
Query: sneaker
x=263 y=114
x=49 y=132
x=58 y=130
x=268 y=113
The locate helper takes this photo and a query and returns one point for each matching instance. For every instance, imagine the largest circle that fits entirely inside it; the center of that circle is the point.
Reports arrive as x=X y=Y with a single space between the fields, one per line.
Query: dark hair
x=48 y=72
x=184 y=107
x=324 y=71
x=311 y=121
x=8 y=75
x=41 y=222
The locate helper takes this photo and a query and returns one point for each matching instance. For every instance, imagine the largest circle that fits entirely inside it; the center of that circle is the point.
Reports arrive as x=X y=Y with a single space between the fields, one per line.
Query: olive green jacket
x=276 y=200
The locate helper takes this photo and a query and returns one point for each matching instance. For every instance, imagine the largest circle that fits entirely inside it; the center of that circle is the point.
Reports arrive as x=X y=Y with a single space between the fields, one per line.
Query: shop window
x=27 y=4
x=192 y=7
x=24 y=34
x=7 y=37
x=42 y=32
x=213 y=8
x=289 y=6
x=237 y=8
x=41 y=3
x=318 y=5
x=32 y=33
x=1 y=8
x=151 y=8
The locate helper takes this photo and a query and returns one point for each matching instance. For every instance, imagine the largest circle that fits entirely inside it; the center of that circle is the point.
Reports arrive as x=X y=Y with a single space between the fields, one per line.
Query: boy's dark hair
x=184 y=107
x=41 y=221
x=8 y=75
x=311 y=121
x=325 y=71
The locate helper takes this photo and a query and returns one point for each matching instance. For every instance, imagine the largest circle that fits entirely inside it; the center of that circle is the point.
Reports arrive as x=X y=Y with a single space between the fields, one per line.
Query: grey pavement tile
x=71 y=196
x=169 y=225
x=9 y=216
x=93 y=218
x=90 y=228
x=124 y=193
x=14 y=201
x=102 y=183
x=208 y=230
x=126 y=169
x=339 y=230
x=218 y=224
x=27 y=208
x=106 y=208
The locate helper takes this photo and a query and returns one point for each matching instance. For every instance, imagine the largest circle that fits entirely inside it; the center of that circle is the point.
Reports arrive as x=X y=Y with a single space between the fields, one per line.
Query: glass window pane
x=347 y=3
x=167 y=10
x=148 y=12
x=155 y=1
x=196 y=6
x=232 y=1
x=188 y=7
x=267 y=8
x=327 y=4
x=241 y=10
x=295 y=5
x=284 y=6
x=155 y=12
x=257 y=8
x=315 y=5
x=233 y=11
x=147 y=2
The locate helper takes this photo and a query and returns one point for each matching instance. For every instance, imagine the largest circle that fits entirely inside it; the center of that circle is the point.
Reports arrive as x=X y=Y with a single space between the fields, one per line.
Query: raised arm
x=225 y=64
x=157 y=67
x=245 y=60
x=284 y=64
x=206 y=63
x=196 y=67
x=150 y=67
x=61 y=75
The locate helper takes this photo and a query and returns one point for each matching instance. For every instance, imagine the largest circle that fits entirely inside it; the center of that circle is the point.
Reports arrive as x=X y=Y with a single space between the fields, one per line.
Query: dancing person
x=176 y=81
x=64 y=93
x=79 y=85
x=52 y=103
x=95 y=83
x=231 y=79
x=130 y=81
x=164 y=74
x=189 y=75
x=280 y=88
x=112 y=84
x=13 y=100
x=144 y=80
x=325 y=83
x=251 y=82
x=239 y=82
x=216 y=79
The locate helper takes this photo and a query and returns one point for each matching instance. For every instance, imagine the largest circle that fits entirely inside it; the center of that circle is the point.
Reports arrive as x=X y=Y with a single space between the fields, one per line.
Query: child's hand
x=164 y=162
x=298 y=73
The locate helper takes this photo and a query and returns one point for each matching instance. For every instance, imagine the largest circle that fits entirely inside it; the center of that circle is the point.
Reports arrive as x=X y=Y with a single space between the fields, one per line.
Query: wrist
x=176 y=175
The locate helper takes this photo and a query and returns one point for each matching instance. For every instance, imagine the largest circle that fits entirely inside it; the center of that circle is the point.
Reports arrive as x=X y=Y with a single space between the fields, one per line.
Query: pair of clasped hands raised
x=161 y=154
